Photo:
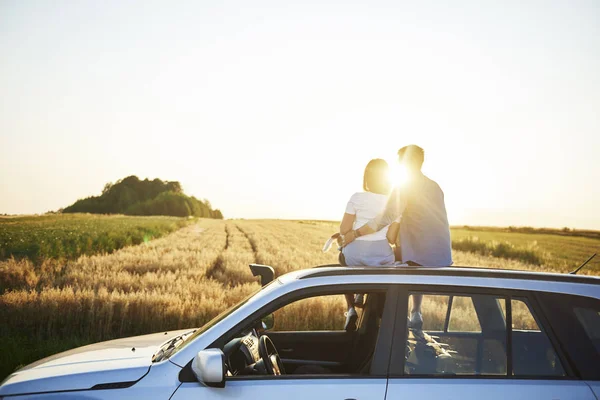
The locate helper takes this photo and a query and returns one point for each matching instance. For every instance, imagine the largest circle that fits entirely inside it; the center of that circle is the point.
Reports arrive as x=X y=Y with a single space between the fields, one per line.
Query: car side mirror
x=265 y=272
x=209 y=367
x=268 y=322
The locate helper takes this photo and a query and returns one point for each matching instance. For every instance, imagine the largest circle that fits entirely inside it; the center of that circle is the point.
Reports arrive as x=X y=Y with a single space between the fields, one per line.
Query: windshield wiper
x=169 y=346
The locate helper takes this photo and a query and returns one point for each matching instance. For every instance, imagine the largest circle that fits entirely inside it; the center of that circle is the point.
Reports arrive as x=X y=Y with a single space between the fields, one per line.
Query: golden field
x=178 y=281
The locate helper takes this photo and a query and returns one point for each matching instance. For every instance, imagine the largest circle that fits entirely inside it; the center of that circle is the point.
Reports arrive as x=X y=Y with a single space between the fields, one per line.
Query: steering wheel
x=270 y=356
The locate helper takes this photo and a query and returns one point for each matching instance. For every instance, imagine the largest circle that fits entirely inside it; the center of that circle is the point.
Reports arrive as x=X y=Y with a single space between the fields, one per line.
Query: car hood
x=99 y=365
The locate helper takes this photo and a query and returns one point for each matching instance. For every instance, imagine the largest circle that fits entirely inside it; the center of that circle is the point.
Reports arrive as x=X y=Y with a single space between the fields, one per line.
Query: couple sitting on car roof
x=412 y=216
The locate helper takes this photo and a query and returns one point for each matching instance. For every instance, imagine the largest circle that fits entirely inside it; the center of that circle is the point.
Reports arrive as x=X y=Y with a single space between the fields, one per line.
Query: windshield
x=219 y=318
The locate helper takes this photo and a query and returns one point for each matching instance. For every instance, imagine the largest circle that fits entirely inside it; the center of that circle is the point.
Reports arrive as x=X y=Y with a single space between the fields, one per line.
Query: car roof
x=338 y=270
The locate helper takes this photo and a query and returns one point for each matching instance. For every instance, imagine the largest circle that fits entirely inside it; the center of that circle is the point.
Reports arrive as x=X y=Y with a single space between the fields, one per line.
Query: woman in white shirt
x=374 y=249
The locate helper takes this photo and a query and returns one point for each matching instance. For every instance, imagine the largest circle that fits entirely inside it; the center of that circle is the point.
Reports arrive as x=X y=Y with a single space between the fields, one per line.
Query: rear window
x=576 y=322
x=589 y=318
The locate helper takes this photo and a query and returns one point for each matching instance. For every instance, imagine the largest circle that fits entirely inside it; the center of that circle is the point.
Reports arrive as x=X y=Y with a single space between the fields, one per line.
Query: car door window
x=435 y=307
x=473 y=338
x=465 y=346
x=533 y=353
x=321 y=313
x=522 y=319
x=463 y=317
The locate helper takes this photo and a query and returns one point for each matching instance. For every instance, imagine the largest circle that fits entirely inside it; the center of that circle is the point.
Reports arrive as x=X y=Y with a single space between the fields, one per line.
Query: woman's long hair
x=376 y=178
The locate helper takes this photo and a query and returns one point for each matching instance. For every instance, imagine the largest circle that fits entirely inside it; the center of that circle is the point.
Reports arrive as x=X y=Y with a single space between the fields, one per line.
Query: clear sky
x=273 y=108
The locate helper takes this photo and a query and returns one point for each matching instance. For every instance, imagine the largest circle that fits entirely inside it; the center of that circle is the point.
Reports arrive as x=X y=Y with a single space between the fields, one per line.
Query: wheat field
x=178 y=281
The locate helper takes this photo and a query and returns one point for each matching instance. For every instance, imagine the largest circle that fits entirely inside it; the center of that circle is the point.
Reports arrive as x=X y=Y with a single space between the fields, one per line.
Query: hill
x=132 y=196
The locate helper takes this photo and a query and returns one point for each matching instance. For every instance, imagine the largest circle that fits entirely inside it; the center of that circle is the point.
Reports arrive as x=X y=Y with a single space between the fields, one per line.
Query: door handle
x=289 y=350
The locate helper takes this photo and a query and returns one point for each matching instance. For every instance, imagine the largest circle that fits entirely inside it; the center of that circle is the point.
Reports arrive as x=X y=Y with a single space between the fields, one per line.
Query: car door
x=477 y=343
x=370 y=385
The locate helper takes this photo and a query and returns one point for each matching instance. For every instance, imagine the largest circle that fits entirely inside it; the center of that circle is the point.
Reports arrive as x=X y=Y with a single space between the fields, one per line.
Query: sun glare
x=398 y=175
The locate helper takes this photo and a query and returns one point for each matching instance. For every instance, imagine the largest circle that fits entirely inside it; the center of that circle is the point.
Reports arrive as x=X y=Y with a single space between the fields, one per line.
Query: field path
x=231 y=266
x=250 y=240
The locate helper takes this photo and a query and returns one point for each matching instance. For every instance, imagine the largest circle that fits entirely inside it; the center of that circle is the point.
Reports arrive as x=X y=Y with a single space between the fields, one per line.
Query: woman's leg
x=416 y=317
x=349 y=297
x=417 y=300
x=349 y=300
x=351 y=315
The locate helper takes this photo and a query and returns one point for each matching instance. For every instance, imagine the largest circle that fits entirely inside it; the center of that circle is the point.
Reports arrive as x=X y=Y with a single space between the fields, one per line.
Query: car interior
x=257 y=350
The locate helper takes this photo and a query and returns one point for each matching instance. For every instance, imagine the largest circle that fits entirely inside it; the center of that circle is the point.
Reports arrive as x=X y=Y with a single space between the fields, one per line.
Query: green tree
x=133 y=196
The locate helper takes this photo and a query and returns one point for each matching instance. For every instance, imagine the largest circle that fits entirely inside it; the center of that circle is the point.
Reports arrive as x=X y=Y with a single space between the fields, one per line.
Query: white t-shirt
x=366 y=206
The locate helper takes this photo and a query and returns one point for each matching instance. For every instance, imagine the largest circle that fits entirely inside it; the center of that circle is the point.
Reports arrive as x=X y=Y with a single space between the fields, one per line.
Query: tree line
x=132 y=196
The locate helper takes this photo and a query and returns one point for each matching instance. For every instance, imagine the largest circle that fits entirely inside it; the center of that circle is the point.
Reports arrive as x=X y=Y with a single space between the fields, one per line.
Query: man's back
x=424 y=229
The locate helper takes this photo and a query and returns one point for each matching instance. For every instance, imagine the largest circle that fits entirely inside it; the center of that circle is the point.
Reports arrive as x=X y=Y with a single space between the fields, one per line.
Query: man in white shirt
x=424 y=236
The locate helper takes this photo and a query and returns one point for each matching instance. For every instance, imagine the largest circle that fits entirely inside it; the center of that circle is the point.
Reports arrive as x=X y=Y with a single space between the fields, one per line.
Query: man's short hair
x=413 y=155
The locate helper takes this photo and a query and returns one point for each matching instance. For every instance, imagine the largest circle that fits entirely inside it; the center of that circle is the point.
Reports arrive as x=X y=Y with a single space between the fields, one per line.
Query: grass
x=187 y=277
x=527 y=229
x=68 y=236
x=505 y=250
x=560 y=253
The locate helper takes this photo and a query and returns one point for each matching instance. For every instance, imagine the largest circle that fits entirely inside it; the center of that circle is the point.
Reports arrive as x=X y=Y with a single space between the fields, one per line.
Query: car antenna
x=582 y=265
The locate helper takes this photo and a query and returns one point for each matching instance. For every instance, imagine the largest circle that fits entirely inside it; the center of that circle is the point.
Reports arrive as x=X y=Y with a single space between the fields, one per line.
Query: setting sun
x=398 y=174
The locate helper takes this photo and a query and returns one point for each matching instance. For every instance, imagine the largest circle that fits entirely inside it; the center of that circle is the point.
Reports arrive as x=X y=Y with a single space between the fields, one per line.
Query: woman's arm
x=395 y=207
x=347 y=223
x=392 y=233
